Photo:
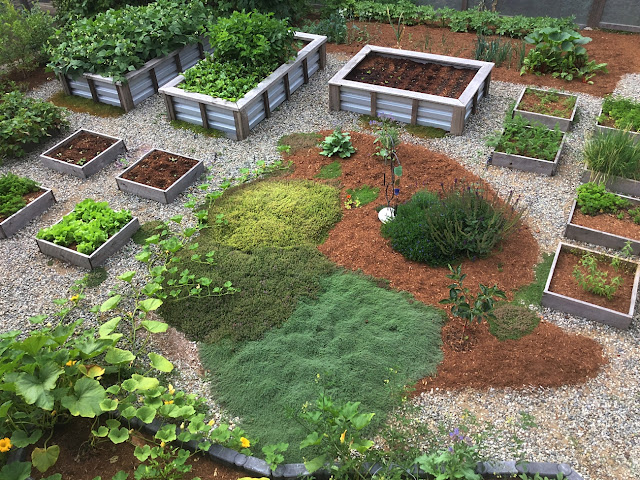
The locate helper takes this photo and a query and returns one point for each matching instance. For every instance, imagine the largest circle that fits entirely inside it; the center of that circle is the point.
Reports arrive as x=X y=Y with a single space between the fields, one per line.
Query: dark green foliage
x=333 y=170
x=70 y=9
x=593 y=199
x=145 y=231
x=338 y=143
x=278 y=213
x=26 y=121
x=532 y=294
x=625 y=113
x=271 y=282
x=12 y=188
x=613 y=153
x=89 y=225
x=364 y=194
x=95 y=277
x=293 y=9
x=119 y=41
x=467 y=221
x=520 y=138
x=334 y=27
x=23 y=36
x=354 y=337
x=512 y=322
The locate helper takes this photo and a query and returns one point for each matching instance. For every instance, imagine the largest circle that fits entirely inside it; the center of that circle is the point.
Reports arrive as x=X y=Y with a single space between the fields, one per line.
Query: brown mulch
x=620 y=51
x=547 y=357
x=610 y=223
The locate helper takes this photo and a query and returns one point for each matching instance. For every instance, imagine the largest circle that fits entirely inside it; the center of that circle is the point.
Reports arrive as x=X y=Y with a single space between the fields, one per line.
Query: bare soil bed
x=82 y=149
x=160 y=169
x=610 y=223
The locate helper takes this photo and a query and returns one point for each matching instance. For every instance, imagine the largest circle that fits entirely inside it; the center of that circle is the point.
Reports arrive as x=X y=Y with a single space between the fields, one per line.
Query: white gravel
x=595 y=427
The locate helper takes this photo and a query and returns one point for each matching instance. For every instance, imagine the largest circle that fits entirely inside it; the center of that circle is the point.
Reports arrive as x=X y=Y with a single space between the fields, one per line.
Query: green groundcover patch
x=355 y=336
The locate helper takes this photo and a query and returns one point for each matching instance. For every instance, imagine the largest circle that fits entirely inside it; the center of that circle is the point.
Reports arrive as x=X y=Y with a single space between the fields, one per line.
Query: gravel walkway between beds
x=595 y=427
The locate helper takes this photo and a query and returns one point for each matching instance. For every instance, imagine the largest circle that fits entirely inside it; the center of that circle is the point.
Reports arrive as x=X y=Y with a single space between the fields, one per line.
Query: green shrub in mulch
x=512 y=322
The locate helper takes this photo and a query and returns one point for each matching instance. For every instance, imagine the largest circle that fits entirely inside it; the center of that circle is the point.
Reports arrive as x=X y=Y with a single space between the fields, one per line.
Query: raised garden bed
x=528 y=163
x=236 y=119
x=160 y=175
x=103 y=249
x=562 y=291
x=604 y=229
x=553 y=109
x=140 y=84
x=618 y=113
x=83 y=154
x=625 y=186
x=39 y=202
x=430 y=106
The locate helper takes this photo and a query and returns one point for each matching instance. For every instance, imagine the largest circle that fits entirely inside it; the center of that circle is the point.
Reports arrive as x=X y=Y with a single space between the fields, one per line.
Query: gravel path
x=595 y=427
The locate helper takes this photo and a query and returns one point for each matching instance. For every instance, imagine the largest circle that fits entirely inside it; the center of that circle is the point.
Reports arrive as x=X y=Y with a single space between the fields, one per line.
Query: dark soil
x=561 y=108
x=431 y=78
x=82 y=149
x=79 y=460
x=564 y=282
x=25 y=81
x=160 y=169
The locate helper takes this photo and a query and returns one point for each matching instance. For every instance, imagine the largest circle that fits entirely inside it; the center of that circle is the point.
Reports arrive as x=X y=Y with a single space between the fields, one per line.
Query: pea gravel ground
x=595 y=427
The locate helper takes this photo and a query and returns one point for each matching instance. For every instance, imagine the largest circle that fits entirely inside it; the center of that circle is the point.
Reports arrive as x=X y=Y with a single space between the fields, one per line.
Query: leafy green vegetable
x=12 y=188
x=89 y=225
x=625 y=113
x=520 y=138
x=593 y=199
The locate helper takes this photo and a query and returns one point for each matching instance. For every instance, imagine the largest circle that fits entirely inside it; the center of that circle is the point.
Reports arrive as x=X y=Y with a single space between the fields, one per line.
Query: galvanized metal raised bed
x=551 y=121
x=140 y=84
x=450 y=114
x=528 y=164
x=236 y=119
x=599 y=237
x=584 y=309
x=166 y=195
x=93 y=166
x=99 y=256
x=37 y=206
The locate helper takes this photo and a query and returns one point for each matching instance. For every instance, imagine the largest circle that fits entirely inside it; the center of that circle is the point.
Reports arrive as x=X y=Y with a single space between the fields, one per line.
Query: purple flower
x=396 y=191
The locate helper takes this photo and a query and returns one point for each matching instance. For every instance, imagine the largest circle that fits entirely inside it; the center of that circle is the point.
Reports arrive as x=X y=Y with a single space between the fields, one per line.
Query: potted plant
x=87 y=235
x=21 y=200
x=549 y=107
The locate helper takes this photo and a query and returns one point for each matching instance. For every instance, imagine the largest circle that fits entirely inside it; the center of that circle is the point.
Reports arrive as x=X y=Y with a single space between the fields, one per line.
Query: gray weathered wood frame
x=528 y=164
x=458 y=107
x=563 y=124
x=237 y=114
x=93 y=166
x=625 y=186
x=99 y=256
x=37 y=206
x=584 y=309
x=604 y=129
x=166 y=195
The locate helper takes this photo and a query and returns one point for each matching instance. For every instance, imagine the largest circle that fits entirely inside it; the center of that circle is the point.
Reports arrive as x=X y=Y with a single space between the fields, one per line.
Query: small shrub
x=26 y=121
x=333 y=170
x=12 y=189
x=334 y=27
x=613 y=153
x=593 y=198
x=338 y=143
x=624 y=113
x=594 y=280
x=512 y=322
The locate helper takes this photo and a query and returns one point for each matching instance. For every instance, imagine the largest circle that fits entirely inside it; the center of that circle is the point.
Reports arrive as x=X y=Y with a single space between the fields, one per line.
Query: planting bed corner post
x=584 y=309
x=140 y=84
x=236 y=119
x=450 y=114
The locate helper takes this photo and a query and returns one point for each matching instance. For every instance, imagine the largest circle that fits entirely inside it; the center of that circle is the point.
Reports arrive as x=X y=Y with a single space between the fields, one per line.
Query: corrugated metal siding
x=277 y=95
x=353 y=100
x=398 y=108
x=189 y=56
x=255 y=112
x=107 y=93
x=187 y=111
x=313 y=62
x=432 y=114
x=296 y=78
x=80 y=87
x=221 y=119
x=141 y=88
x=166 y=71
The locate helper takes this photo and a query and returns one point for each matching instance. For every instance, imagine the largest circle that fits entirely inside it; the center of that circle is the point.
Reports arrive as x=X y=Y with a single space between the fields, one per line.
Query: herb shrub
x=12 y=189
x=116 y=42
x=88 y=226
x=25 y=121
x=247 y=47
x=520 y=138
x=624 y=113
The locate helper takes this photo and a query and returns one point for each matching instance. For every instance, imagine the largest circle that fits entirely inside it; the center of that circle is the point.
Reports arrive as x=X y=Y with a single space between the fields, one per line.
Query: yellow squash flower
x=171 y=389
x=211 y=422
x=168 y=402
x=71 y=363
x=75 y=298
x=5 y=444
x=344 y=434
x=245 y=442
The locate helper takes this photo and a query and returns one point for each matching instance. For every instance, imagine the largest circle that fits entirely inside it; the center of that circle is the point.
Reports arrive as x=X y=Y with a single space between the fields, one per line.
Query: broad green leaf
x=146 y=414
x=117 y=356
x=145 y=383
x=362 y=446
x=110 y=303
x=397 y=171
x=101 y=432
x=20 y=439
x=86 y=398
x=121 y=475
x=362 y=420
x=109 y=327
x=37 y=388
x=142 y=453
x=16 y=471
x=118 y=435
x=153 y=326
x=4 y=408
x=312 y=439
x=45 y=458
x=109 y=404
x=127 y=276
x=160 y=363
x=55 y=476
x=315 y=464
x=36 y=319
x=150 y=304
x=33 y=344
x=167 y=433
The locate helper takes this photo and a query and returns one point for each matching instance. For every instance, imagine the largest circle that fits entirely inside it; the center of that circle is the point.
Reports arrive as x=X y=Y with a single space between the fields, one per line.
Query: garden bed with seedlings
x=620 y=114
x=21 y=200
x=551 y=108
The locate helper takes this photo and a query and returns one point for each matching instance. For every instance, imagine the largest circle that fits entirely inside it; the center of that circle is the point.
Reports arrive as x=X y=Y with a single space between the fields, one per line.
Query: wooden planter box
x=599 y=237
x=581 y=308
x=236 y=119
x=528 y=164
x=93 y=166
x=625 y=186
x=563 y=124
x=99 y=256
x=163 y=196
x=449 y=114
x=37 y=206
x=140 y=84
x=601 y=128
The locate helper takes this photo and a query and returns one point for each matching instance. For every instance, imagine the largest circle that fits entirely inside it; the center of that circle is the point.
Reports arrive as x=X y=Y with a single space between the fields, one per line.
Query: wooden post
x=66 y=88
x=595 y=13
x=200 y=50
x=126 y=99
x=474 y=107
x=322 y=52
x=457 y=120
x=154 y=79
x=374 y=103
x=305 y=70
x=203 y=115
x=242 y=124
x=170 y=109
x=334 y=98
x=464 y=5
x=287 y=89
x=92 y=89
x=414 y=111
x=178 y=62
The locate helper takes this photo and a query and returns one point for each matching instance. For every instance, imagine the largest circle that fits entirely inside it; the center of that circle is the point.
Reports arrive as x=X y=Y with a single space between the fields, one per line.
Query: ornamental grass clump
x=613 y=153
x=466 y=221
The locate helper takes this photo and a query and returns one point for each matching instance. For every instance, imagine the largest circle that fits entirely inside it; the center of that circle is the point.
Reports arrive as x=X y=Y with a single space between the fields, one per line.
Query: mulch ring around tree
x=357 y=244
